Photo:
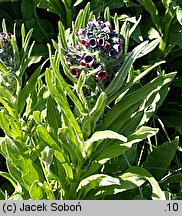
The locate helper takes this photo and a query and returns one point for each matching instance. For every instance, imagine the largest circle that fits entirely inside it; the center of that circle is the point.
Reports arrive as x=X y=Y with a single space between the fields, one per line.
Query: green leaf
x=135 y=175
x=89 y=122
x=179 y=14
x=46 y=157
x=60 y=99
x=24 y=165
x=173 y=178
x=77 y=2
x=13 y=181
x=53 y=116
x=107 y=151
x=100 y=185
x=53 y=6
x=95 y=181
x=116 y=83
x=43 y=29
x=133 y=98
x=59 y=154
x=171 y=116
x=37 y=191
x=101 y=135
x=82 y=18
x=28 y=89
x=159 y=160
x=152 y=9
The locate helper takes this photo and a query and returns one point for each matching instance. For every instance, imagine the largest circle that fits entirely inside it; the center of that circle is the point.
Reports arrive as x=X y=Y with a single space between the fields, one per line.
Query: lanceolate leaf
x=59 y=154
x=133 y=98
x=159 y=160
x=116 y=83
x=103 y=185
x=23 y=164
x=108 y=150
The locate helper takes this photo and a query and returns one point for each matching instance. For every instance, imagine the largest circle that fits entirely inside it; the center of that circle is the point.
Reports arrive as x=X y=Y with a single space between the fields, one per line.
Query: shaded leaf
x=159 y=160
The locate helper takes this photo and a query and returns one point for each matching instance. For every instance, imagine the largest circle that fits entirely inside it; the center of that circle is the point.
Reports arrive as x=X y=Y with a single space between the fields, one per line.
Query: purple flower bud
x=89 y=34
x=112 y=53
x=117 y=47
x=101 y=75
x=67 y=58
x=9 y=35
x=118 y=57
x=78 y=57
x=84 y=42
x=90 y=24
x=93 y=42
x=107 y=46
x=83 y=63
x=101 y=41
x=2 y=34
x=120 y=41
x=89 y=60
x=74 y=72
x=100 y=22
x=84 y=31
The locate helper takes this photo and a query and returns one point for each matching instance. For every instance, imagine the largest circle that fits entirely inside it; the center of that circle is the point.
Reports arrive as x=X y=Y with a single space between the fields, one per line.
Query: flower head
x=6 y=52
x=98 y=46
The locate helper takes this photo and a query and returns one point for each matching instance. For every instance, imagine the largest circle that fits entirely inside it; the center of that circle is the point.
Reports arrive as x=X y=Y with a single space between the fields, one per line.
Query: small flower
x=83 y=63
x=78 y=57
x=107 y=46
x=74 y=72
x=89 y=60
x=92 y=42
x=101 y=75
x=108 y=24
x=101 y=41
x=84 y=42
x=112 y=53
x=6 y=51
x=90 y=25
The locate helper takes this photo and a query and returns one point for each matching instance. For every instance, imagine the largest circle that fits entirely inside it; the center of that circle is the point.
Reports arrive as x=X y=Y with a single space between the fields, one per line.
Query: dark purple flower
x=78 y=57
x=112 y=53
x=107 y=46
x=74 y=72
x=120 y=41
x=100 y=22
x=9 y=35
x=89 y=60
x=96 y=65
x=101 y=41
x=101 y=75
x=89 y=34
x=93 y=42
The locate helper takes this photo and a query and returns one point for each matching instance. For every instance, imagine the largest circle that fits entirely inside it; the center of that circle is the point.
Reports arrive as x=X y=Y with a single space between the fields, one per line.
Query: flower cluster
x=97 y=50
x=6 y=52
